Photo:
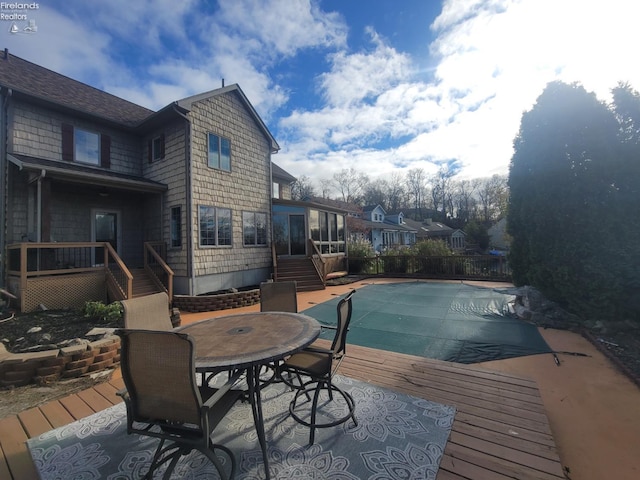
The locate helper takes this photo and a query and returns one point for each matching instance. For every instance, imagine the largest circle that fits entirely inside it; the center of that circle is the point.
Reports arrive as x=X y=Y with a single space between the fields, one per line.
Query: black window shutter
x=67 y=142
x=162 y=146
x=105 y=151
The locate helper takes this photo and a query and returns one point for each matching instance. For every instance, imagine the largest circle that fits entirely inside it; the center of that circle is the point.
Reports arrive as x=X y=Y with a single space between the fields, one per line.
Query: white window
x=219 y=152
x=86 y=148
x=215 y=226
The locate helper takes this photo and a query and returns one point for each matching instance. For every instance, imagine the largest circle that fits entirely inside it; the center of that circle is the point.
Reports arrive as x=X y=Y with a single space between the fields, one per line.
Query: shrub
x=360 y=249
x=98 y=310
x=359 y=252
x=430 y=248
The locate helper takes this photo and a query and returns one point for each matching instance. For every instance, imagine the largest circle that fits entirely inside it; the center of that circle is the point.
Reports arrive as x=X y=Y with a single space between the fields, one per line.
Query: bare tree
x=375 y=193
x=416 y=186
x=440 y=192
x=493 y=196
x=350 y=183
x=302 y=188
x=464 y=200
x=326 y=185
x=396 y=193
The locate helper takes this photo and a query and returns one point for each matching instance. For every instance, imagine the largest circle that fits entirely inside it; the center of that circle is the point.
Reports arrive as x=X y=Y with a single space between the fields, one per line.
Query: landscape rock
x=532 y=306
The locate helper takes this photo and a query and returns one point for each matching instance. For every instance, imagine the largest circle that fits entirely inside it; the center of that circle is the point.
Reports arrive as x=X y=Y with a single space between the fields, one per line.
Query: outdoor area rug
x=397 y=437
x=454 y=322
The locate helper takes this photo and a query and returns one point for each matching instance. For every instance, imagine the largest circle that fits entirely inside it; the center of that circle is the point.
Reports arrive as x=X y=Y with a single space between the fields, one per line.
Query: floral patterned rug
x=397 y=437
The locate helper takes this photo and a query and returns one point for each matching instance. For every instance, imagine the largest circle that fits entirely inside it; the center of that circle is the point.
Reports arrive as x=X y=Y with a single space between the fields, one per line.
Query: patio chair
x=183 y=415
x=320 y=365
x=150 y=312
x=278 y=297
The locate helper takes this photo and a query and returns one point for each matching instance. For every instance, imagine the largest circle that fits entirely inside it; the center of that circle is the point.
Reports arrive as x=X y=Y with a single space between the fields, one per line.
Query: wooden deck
x=500 y=431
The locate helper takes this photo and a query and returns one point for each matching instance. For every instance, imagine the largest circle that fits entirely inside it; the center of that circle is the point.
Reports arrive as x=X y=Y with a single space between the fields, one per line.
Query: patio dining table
x=248 y=341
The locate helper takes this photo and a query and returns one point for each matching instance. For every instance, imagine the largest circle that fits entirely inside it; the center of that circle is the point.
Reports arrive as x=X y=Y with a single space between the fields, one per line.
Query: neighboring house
x=386 y=231
x=81 y=165
x=428 y=229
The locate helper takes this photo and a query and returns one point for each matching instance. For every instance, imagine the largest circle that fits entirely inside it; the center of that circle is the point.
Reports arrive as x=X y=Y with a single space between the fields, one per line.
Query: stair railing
x=318 y=261
x=119 y=278
x=157 y=269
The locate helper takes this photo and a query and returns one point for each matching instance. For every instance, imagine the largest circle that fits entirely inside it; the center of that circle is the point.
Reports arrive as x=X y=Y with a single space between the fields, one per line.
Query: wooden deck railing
x=119 y=278
x=157 y=268
x=49 y=264
x=318 y=261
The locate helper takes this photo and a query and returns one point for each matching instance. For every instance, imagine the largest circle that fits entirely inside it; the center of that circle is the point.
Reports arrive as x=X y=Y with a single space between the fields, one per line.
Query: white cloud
x=357 y=77
x=491 y=59
x=283 y=26
x=494 y=58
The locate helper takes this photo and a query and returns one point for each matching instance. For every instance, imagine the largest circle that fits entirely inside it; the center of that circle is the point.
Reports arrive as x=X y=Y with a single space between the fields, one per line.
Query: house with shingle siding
x=81 y=165
x=428 y=229
x=386 y=231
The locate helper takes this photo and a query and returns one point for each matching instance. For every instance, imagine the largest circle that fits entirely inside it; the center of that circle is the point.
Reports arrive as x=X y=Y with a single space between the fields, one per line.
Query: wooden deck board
x=94 y=399
x=76 y=406
x=500 y=431
x=56 y=414
x=14 y=448
x=34 y=422
x=108 y=391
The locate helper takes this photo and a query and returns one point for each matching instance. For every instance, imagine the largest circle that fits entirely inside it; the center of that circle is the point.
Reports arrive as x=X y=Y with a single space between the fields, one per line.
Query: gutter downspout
x=188 y=206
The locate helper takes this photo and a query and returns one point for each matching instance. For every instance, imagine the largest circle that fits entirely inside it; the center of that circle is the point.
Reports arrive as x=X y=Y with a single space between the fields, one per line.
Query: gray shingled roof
x=280 y=172
x=46 y=85
x=71 y=171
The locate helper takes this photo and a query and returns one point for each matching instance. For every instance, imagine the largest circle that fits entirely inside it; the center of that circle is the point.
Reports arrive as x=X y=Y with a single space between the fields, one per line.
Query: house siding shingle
x=172 y=171
x=245 y=188
x=37 y=132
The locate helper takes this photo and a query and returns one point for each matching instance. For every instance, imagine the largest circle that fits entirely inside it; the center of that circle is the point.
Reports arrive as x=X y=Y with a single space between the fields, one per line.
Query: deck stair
x=143 y=283
x=302 y=271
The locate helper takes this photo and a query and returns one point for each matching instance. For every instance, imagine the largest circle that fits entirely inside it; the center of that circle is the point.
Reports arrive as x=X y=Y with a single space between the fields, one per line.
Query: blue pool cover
x=452 y=322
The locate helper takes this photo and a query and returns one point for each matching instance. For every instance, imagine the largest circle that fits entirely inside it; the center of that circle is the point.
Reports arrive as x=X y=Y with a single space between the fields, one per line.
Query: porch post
x=45 y=209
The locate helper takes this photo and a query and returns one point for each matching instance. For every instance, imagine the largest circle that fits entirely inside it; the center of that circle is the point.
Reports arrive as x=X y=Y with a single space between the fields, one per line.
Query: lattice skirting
x=63 y=291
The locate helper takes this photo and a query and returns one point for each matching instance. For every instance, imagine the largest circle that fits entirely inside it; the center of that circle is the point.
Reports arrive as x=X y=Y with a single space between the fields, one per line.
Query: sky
x=381 y=86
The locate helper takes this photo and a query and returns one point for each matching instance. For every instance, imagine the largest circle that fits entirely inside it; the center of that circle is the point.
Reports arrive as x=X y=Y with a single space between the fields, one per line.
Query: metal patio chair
x=150 y=312
x=319 y=365
x=278 y=297
x=183 y=415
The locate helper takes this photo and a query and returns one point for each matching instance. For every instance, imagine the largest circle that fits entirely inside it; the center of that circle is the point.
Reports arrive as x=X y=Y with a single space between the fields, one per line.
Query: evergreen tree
x=566 y=200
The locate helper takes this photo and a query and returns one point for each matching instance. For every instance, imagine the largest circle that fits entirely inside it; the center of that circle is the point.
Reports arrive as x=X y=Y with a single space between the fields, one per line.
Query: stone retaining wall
x=18 y=369
x=222 y=301
x=42 y=368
